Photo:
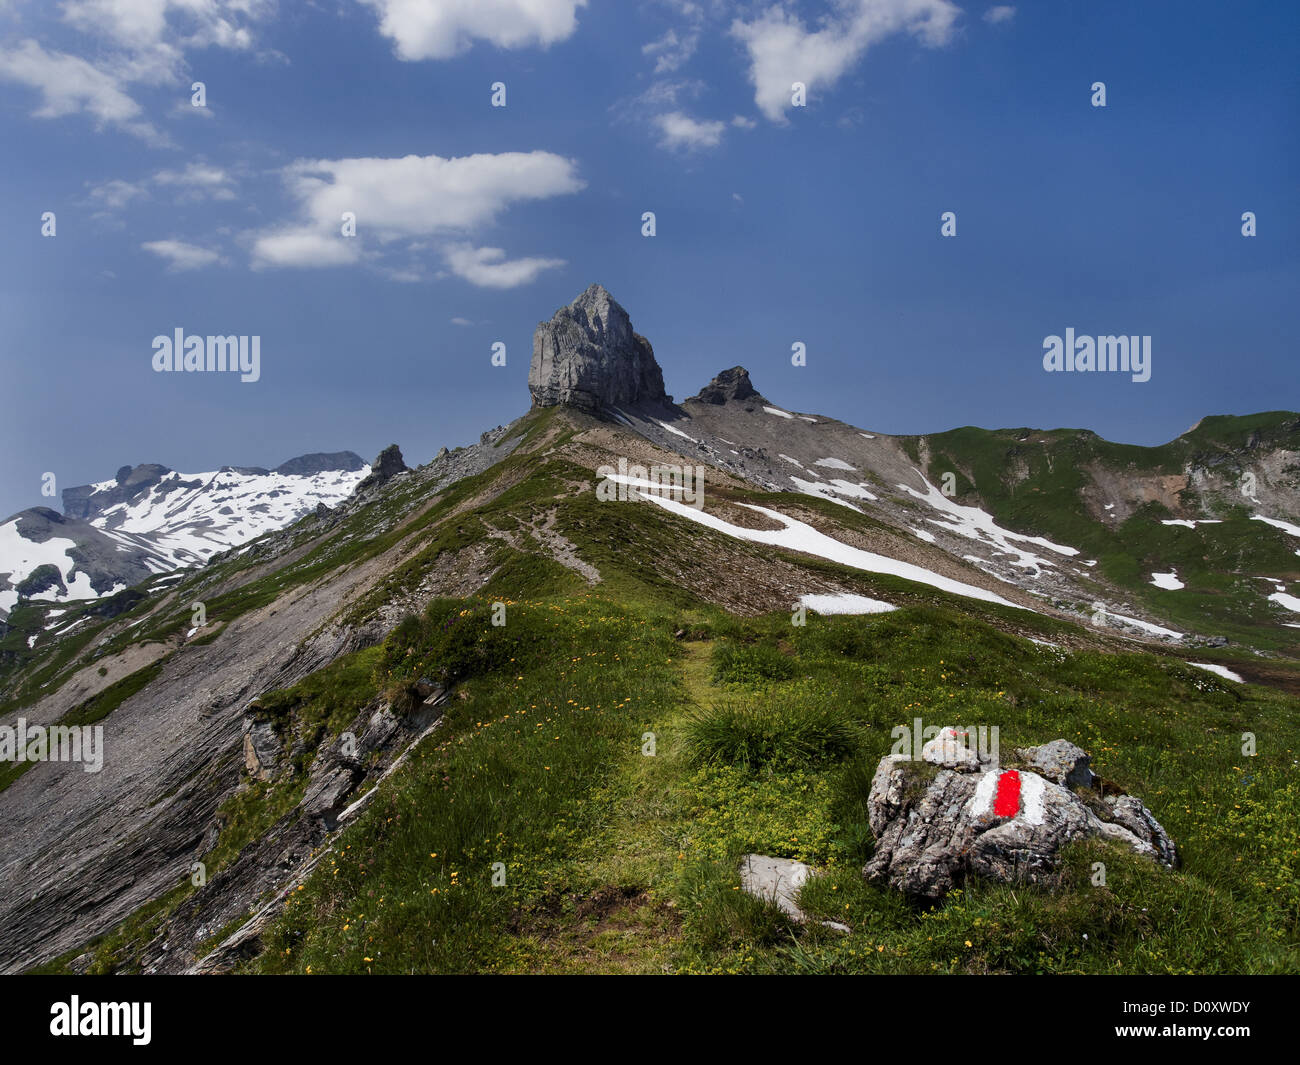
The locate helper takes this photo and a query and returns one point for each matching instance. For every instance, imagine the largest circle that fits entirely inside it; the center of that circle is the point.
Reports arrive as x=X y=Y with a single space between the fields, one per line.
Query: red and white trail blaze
x=1007 y=793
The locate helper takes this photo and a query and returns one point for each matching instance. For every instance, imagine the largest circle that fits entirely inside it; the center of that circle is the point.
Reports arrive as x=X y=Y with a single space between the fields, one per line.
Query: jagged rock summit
x=728 y=385
x=386 y=466
x=588 y=356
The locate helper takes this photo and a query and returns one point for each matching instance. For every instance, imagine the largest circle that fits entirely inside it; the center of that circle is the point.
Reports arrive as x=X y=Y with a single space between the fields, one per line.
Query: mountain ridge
x=799 y=511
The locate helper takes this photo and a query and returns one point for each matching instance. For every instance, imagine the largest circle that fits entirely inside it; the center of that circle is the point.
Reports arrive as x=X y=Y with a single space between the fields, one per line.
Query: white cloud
x=489 y=267
x=421 y=195
x=671 y=51
x=198 y=180
x=440 y=29
x=409 y=200
x=69 y=85
x=140 y=25
x=743 y=122
x=180 y=255
x=1000 y=13
x=303 y=246
x=461 y=321
x=782 y=51
x=136 y=42
x=678 y=130
x=116 y=194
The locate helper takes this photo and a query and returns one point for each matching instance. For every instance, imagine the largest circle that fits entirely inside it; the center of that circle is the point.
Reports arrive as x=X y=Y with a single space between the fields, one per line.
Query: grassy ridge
x=617 y=860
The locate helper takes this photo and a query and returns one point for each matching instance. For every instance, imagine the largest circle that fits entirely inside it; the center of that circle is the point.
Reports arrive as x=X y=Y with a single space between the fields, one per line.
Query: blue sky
x=775 y=224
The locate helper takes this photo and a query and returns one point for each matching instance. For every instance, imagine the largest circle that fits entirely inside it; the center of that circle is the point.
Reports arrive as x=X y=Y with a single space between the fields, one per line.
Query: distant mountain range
x=150 y=520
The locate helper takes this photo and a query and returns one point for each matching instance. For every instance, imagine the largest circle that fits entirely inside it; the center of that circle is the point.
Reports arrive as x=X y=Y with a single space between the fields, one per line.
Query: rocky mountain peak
x=730 y=384
x=588 y=356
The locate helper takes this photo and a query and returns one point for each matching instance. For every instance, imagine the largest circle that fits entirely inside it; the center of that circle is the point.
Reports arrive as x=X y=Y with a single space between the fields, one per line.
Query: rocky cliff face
x=588 y=356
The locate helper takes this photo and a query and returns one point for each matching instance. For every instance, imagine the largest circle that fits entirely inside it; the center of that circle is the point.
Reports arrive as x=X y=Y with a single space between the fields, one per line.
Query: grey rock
x=325 y=794
x=780 y=880
x=386 y=466
x=1132 y=814
x=950 y=750
x=775 y=880
x=379 y=731
x=588 y=356
x=261 y=749
x=1060 y=761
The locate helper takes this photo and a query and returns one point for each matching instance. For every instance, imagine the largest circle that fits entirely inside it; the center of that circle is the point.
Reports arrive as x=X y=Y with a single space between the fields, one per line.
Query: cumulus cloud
x=440 y=29
x=489 y=267
x=999 y=14
x=679 y=131
x=783 y=51
x=181 y=256
x=303 y=246
x=411 y=200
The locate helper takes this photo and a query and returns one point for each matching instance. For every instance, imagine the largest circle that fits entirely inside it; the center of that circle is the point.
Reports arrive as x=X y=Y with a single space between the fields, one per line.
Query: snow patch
x=1145 y=626
x=1167 y=580
x=675 y=432
x=845 y=603
x=976 y=524
x=1288 y=601
x=779 y=413
x=1222 y=671
x=1285 y=526
x=796 y=536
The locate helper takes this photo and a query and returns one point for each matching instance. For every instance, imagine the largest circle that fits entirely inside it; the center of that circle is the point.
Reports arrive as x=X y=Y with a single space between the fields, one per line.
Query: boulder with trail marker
x=956 y=813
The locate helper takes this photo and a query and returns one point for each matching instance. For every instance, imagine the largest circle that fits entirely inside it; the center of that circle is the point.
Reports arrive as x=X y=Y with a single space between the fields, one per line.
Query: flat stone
x=775 y=880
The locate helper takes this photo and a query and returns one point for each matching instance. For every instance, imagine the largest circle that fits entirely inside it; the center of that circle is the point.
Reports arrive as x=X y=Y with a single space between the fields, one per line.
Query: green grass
x=620 y=861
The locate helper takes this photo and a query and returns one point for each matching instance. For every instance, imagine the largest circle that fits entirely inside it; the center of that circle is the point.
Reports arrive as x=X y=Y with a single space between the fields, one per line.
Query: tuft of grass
x=768 y=732
x=736 y=663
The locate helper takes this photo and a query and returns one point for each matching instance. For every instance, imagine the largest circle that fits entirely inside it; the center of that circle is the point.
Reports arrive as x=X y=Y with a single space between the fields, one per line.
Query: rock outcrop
x=387 y=466
x=956 y=813
x=588 y=356
x=728 y=385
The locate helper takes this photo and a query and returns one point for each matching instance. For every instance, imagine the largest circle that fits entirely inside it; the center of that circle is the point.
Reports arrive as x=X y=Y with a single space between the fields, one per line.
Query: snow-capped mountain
x=150 y=520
